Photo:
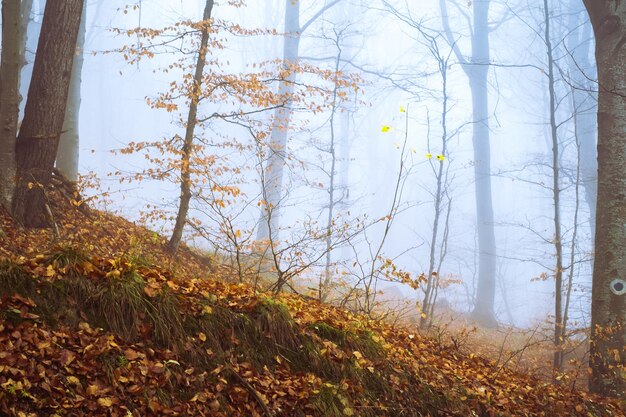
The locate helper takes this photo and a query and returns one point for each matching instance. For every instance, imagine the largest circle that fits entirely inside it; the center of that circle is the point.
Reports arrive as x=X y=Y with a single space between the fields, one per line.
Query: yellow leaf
x=50 y=271
x=348 y=411
x=440 y=157
x=429 y=155
x=385 y=128
x=402 y=109
x=73 y=380
x=202 y=336
x=105 y=402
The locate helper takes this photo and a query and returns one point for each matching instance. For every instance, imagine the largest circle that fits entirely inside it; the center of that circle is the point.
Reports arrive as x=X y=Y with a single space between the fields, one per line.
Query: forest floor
x=96 y=319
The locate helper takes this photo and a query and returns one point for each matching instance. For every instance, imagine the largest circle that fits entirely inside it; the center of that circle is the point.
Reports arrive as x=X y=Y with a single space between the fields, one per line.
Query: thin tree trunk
x=187 y=150
x=10 y=64
x=433 y=273
x=45 y=109
x=325 y=289
x=556 y=200
x=572 y=262
x=608 y=307
x=68 y=152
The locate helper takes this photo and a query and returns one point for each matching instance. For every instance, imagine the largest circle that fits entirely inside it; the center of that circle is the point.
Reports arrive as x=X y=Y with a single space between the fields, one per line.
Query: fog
x=387 y=137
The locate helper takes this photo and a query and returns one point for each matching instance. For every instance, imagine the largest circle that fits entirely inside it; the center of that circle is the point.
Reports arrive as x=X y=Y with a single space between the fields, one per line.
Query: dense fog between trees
x=412 y=83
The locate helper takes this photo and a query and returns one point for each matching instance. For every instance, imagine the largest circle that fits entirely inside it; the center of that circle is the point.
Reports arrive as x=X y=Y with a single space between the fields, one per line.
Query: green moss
x=330 y=402
x=362 y=341
x=365 y=343
x=67 y=256
x=328 y=332
x=15 y=279
x=49 y=298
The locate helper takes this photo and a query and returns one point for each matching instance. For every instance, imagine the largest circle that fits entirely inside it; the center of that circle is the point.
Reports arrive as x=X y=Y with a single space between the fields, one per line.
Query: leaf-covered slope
x=90 y=327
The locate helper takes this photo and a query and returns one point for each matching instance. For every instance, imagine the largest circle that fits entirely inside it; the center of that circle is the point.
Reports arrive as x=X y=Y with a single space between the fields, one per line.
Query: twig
x=254 y=392
x=55 y=228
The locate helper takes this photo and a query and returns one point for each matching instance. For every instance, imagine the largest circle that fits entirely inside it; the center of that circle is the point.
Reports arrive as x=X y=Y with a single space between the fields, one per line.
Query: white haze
x=114 y=112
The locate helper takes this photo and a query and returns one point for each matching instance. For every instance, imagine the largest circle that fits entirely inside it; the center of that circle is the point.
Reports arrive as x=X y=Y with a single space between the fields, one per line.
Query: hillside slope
x=99 y=321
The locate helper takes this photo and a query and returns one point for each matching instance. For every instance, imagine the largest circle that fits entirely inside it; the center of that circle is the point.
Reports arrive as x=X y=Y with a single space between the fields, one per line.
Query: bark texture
x=187 y=150
x=38 y=138
x=69 y=151
x=10 y=65
x=608 y=310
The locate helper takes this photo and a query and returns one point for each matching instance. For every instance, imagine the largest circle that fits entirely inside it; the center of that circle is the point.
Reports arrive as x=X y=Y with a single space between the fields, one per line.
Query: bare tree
x=476 y=67
x=443 y=203
x=556 y=195
x=274 y=166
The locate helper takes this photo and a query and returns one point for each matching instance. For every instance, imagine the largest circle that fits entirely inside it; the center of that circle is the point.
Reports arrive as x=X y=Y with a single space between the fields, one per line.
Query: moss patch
x=363 y=341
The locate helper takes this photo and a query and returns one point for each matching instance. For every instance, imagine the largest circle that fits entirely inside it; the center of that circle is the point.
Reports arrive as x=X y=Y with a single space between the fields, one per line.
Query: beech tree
x=273 y=175
x=476 y=68
x=584 y=100
x=608 y=307
x=211 y=100
x=192 y=121
x=68 y=152
x=10 y=66
x=38 y=138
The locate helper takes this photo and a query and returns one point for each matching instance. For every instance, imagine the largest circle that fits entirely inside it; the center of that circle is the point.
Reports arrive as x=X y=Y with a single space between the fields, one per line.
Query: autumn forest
x=312 y=208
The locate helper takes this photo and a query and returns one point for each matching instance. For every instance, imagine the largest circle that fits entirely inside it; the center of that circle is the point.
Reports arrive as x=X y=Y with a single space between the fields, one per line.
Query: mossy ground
x=95 y=327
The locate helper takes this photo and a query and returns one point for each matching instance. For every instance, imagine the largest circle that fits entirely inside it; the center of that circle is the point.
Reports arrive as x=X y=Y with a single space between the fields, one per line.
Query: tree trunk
x=272 y=181
x=477 y=69
x=32 y=29
x=45 y=109
x=68 y=152
x=325 y=287
x=10 y=65
x=608 y=308
x=187 y=150
x=273 y=176
x=582 y=73
x=556 y=199
x=485 y=296
x=428 y=302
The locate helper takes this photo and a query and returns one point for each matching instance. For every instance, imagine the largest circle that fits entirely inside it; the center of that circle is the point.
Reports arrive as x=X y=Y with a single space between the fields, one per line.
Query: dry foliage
x=100 y=322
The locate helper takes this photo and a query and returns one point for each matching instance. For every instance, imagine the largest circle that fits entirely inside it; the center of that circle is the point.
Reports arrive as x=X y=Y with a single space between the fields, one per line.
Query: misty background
x=387 y=137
